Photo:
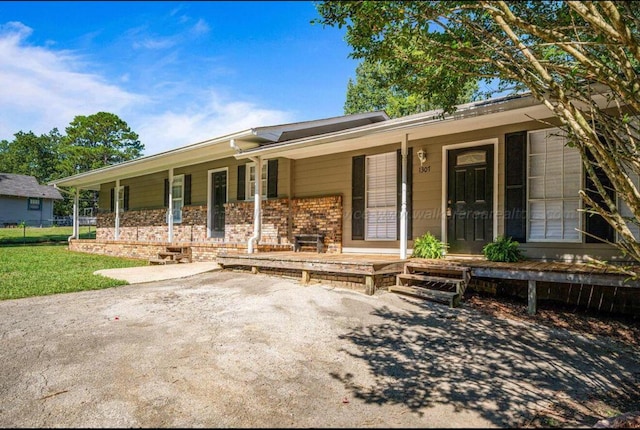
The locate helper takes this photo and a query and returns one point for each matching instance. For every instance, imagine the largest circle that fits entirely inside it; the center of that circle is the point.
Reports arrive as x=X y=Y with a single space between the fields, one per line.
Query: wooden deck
x=575 y=273
x=376 y=270
x=371 y=269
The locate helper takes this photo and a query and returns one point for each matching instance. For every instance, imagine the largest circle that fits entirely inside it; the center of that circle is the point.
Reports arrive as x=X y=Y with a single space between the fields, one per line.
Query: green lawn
x=38 y=270
x=45 y=234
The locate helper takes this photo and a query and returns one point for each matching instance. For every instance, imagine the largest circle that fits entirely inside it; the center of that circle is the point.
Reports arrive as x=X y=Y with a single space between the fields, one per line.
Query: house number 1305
x=424 y=169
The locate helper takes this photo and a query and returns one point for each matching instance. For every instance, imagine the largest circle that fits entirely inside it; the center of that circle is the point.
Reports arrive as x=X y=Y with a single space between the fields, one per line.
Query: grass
x=38 y=270
x=19 y=235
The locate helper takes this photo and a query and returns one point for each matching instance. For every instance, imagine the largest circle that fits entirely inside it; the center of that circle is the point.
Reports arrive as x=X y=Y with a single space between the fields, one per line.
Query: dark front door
x=470 y=199
x=218 y=199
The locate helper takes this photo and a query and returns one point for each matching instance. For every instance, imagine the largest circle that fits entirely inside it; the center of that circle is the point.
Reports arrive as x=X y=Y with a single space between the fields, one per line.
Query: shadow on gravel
x=506 y=371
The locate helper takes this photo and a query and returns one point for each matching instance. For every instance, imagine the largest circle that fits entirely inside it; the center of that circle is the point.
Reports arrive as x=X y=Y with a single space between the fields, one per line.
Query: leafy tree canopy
x=374 y=89
x=32 y=155
x=98 y=140
x=90 y=142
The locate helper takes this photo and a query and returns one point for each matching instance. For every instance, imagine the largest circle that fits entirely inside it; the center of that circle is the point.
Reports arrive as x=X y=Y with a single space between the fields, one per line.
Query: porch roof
x=511 y=109
x=217 y=148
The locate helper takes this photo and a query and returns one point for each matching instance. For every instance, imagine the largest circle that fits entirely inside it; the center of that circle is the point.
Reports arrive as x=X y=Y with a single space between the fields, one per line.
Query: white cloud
x=217 y=117
x=200 y=27
x=44 y=89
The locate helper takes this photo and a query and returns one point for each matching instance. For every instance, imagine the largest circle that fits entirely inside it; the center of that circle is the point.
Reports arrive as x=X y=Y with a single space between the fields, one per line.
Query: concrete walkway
x=137 y=275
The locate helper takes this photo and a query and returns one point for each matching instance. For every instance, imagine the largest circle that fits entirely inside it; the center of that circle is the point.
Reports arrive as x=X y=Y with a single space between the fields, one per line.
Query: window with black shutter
x=242 y=177
x=187 y=190
x=357 y=197
x=516 y=186
x=125 y=199
x=272 y=179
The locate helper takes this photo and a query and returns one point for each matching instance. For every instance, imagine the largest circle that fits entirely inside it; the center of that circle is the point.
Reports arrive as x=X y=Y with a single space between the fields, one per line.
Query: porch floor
x=374 y=265
x=362 y=264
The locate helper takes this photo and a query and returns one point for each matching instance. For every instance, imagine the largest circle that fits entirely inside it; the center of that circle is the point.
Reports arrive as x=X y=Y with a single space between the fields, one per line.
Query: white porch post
x=116 y=195
x=403 y=205
x=170 y=214
x=257 y=210
x=76 y=220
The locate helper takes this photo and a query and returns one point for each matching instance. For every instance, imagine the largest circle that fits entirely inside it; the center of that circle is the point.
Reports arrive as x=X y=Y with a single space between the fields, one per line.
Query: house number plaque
x=424 y=169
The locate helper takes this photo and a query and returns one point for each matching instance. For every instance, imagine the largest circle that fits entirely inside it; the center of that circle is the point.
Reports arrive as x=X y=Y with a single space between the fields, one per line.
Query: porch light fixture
x=422 y=156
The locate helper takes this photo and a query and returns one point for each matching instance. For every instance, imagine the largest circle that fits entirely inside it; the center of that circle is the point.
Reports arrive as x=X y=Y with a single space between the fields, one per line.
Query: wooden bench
x=315 y=239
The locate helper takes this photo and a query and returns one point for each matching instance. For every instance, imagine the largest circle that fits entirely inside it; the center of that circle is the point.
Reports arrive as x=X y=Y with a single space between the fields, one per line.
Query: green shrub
x=503 y=249
x=427 y=246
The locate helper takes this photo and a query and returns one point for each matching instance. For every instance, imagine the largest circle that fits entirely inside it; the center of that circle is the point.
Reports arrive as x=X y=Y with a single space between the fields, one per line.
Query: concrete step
x=159 y=261
x=172 y=255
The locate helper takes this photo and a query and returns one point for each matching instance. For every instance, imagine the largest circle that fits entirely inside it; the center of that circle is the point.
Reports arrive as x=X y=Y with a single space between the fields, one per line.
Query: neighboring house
x=23 y=199
x=492 y=168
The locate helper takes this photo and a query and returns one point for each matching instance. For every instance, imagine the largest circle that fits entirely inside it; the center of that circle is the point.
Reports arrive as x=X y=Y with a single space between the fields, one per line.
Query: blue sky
x=176 y=72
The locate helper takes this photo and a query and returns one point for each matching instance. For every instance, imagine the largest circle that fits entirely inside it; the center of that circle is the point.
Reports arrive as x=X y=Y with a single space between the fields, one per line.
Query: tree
x=98 y=140
x=373 y=89
x=32 y=155
x=91 y=142
x=578 y=58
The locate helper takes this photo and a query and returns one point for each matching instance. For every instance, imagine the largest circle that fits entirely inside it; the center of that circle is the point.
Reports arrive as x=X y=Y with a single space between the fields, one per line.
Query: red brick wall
x=275 y=221
x=281 y=219
x=319 y=215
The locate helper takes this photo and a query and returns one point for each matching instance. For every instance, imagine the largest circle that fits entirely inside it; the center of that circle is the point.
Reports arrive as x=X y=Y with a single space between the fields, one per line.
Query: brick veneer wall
x=275 y=221
x=281 y=219
x=319 y=215
x=149 y=250
x=149 y=225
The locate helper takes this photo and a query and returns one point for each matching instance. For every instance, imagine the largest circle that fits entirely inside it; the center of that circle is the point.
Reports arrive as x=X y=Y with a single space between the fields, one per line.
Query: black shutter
x=187 y=190
x=409 y=192
x=112 y=202
x=126 y=198
x=272 y=178
x=166 y=192
x=357 y=197
x=241 y=182
x=594 y=224
x=515 y=201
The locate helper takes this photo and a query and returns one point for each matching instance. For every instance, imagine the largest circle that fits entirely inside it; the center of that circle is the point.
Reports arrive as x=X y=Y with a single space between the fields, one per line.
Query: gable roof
x=12 y=184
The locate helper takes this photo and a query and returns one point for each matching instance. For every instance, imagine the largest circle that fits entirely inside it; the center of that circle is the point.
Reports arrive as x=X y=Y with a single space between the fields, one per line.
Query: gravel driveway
x=231 y=349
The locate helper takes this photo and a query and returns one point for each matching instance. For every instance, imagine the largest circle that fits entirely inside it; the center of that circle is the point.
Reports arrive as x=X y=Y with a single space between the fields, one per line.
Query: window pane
x=571 y=219
x=555 y=176
x=536 y=188
x=472 y=157
x=381 y=196
x=251 y=181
